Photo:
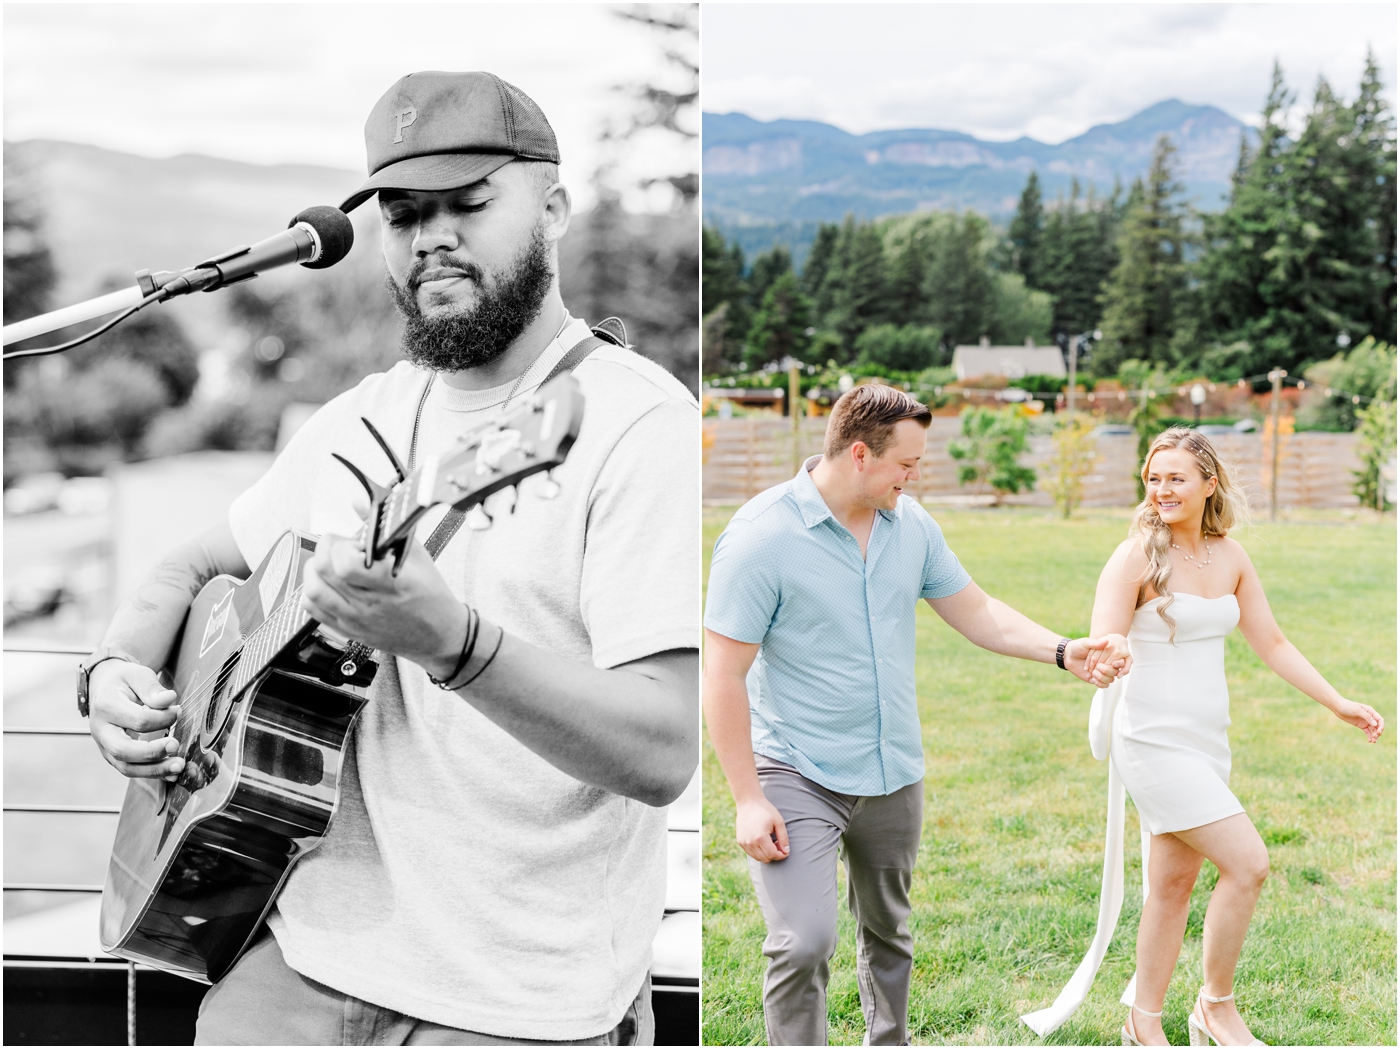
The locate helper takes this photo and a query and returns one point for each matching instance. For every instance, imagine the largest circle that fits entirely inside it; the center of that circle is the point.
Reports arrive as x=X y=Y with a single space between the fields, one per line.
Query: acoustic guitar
x=268 y=699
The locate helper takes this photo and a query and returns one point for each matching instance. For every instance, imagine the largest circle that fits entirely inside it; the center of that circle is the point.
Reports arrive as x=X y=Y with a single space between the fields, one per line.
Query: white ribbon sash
x=1044 y=1021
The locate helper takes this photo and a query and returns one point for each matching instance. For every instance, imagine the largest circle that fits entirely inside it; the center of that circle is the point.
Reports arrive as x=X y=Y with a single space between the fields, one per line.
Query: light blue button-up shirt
x=831 y=692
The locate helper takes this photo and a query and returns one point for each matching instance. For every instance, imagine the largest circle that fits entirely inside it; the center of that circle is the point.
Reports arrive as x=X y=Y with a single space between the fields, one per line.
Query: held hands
x=1363 y=717
x=760 y=830
x=126 y=700
x=1098 y=660
x=413 y=614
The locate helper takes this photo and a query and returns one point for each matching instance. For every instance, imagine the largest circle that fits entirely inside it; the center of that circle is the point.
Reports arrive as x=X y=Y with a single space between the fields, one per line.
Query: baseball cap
x=435 y=131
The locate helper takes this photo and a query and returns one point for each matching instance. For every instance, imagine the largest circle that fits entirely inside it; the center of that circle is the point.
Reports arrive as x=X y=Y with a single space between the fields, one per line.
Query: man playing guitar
x=495 y=871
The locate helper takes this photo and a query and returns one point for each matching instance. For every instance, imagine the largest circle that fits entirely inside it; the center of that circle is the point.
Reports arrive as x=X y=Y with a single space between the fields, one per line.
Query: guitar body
x=267 y=702
x=197 y=863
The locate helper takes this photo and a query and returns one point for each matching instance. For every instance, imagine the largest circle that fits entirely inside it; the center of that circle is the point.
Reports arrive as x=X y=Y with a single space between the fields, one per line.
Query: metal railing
x=24 y=886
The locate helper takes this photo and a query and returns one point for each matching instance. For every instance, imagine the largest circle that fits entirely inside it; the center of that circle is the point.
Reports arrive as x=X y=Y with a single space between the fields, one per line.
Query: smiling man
x=496 y=868
x=809 y=701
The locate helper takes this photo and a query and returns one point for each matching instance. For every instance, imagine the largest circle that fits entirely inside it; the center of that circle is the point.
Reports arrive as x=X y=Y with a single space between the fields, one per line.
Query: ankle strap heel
x=1129 y=1032
x=1201 y=1034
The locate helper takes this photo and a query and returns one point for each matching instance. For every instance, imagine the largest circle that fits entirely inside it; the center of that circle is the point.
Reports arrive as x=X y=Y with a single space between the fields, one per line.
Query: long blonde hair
x=1225 y=508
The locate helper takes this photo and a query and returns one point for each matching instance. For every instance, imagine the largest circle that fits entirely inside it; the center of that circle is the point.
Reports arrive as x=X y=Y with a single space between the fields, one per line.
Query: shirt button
x=881 y=662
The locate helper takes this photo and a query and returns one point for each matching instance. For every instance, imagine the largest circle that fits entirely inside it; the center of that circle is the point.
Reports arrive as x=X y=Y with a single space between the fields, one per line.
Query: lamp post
x=1198 y=398
x=1075 y=341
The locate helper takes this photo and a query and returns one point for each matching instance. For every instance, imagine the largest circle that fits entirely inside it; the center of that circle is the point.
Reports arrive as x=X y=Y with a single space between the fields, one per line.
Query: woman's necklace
x=1198 y=564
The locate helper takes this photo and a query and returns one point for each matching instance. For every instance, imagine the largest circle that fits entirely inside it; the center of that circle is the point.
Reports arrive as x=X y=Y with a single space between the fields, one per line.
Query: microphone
x=317 y=238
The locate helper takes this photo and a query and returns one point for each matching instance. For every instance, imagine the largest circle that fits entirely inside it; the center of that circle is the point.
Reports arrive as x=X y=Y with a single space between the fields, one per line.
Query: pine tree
x=767 y=267
x=858 y=281
x=1025 y=232
x=1078 y=252
x=1144 y=293
x=722 y=284
x=961 y=295
x=1306 y=248
x=781 y=324
x=815 y=272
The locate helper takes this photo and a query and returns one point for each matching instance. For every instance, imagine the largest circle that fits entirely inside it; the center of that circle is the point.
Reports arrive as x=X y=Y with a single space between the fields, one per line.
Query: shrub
x=1375 y=448
x=990 y=445
x=1076 y=452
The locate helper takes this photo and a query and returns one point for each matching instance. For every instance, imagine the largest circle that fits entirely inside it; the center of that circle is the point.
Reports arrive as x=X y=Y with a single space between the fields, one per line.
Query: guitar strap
x=606 y=333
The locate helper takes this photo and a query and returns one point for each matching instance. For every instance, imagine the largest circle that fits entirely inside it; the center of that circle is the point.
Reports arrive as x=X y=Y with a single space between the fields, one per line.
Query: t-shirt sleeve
x=282 y=497
x=743 y=591
x=641 y=570
x=944 y=575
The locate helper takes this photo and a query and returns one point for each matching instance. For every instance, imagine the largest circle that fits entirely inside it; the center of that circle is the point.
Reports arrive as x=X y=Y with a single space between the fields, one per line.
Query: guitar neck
x=287 y=623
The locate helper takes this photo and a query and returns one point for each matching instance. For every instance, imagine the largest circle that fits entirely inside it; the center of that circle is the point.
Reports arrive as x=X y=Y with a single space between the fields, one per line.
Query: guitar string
x=193 y=707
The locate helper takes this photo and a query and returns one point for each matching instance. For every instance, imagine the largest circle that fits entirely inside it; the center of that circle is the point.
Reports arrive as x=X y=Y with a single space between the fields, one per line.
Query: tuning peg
x=376 y=498
x=478 y=520
x=548 y=488
x=394 y=459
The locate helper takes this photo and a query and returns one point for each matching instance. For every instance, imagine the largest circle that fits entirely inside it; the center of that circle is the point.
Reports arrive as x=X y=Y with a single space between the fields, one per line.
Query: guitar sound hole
x=220 y=699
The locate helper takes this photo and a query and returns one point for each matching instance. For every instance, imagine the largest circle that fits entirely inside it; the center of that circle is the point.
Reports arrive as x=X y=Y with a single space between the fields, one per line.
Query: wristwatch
x=86 y=667
x=1060 y=653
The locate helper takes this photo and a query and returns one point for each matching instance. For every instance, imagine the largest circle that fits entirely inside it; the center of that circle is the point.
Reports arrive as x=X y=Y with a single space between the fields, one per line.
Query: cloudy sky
x=273 y=83
x=1049 y=71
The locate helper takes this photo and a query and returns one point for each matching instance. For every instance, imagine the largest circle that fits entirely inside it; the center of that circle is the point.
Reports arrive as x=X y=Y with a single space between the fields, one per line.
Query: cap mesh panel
x=533 y=136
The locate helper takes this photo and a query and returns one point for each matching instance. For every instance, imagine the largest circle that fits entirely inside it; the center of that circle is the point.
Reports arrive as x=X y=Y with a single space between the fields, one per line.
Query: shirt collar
x=809 y=501
x=813 y=507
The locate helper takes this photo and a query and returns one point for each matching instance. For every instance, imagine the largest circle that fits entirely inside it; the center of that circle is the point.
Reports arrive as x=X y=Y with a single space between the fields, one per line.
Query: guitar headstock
x=534 y=437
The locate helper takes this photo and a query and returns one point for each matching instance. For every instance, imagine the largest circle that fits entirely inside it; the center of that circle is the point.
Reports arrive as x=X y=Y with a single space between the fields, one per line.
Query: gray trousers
x=878 y=838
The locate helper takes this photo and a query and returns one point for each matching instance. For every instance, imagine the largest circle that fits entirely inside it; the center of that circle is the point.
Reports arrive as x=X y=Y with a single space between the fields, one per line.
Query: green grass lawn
x=1006 y=888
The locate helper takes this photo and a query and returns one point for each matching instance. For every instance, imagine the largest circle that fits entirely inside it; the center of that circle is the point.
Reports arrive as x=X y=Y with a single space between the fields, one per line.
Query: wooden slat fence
x=744 y=456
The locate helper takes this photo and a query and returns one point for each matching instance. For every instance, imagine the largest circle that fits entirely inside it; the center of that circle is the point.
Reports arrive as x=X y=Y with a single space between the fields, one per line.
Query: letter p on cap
x=402 y=119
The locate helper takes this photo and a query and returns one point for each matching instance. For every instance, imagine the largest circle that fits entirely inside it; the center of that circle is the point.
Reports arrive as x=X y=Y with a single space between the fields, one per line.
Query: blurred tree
x=1077 y=252
x=723 y=286
x=1025 y=232
x=1143 y=296
x=766 y=269
x=1375 y=449
x=1018 y=312
x=781 y=324
x=858 y=282
x=909 y=348
x=29 y=270
x=1368 y=372
x=817 y=269
x=1303 y=258
x=960 y=281
x=1076 y=454
x=989 y=449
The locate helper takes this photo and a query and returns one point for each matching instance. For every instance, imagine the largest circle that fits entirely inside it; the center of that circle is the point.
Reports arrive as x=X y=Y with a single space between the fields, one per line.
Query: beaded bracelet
x=1060 y=653
x=468 y=645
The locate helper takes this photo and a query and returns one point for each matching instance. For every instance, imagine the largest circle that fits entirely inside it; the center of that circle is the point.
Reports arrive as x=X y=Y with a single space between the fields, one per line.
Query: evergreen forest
x=1297 y=273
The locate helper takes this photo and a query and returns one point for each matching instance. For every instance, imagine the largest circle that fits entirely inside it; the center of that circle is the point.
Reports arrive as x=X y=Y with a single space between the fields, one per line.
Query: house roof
x=1013 y=362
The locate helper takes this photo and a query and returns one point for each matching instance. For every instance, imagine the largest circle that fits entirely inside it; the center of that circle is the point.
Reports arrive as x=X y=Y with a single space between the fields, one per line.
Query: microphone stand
x=101 y=306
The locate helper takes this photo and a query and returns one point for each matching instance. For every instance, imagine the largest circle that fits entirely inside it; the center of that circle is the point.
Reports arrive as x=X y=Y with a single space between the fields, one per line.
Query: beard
x=470 y=336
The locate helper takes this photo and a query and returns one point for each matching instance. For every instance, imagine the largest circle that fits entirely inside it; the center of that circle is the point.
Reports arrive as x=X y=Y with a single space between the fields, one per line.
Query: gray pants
x=878 y=838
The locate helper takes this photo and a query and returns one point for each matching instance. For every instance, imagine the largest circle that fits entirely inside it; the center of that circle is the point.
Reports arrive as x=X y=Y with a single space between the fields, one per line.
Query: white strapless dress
x=1162 y=727
x=1169 y=740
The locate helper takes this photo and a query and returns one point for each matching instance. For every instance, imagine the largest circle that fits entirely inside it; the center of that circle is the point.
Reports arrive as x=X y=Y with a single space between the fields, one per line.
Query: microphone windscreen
x=335 y=230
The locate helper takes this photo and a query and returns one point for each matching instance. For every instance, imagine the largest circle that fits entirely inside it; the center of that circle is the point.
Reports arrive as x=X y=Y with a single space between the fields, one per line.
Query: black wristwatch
x=1060 y=653
x=85 y=669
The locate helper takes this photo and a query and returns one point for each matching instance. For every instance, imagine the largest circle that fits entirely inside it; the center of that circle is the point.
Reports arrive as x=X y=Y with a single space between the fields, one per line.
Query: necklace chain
x=1198 y=564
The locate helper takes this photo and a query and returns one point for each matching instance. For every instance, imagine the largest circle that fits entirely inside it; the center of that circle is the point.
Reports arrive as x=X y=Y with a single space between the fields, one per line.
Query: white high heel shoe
x=1129 y=1032
x=1201 y=1034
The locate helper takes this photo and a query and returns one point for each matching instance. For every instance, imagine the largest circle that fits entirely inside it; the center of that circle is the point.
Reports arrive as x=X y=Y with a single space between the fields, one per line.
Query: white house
x=1012 y=362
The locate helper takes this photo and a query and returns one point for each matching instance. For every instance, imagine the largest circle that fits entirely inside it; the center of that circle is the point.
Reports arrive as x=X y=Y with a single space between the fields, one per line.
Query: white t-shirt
x=465 y=880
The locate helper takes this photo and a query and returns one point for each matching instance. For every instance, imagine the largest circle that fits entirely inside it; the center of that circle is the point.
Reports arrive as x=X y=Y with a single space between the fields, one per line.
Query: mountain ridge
x=762 y=173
